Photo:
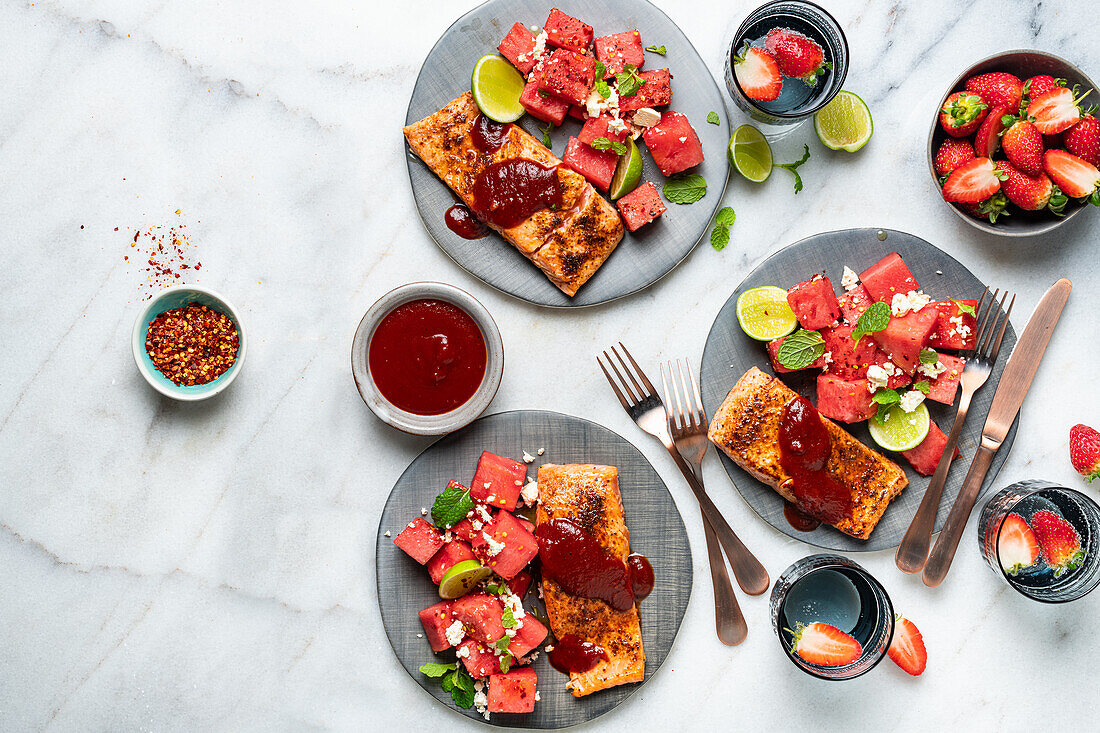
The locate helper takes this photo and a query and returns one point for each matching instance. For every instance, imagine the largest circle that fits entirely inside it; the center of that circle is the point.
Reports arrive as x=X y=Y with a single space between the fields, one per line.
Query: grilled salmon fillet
x=568 y=244
x=746 y=428
x=589 y=495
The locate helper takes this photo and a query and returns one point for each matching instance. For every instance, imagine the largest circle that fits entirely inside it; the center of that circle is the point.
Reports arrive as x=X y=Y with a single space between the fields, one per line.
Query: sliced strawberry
x=988 y=135
x=1030 y=193
x=758 y=74
x=1023 y=146
x=1017 y=548
x=998 y=89
x=1083 y=140
x=1058 y=541
x=1084 y=451
x=1039 y=85
x=1077 y=178
x=1056 y=110
x=961 y=113
x=825 y=645
x=972 y=182
x=953 y=152
x=798 y=56
x=907 y=647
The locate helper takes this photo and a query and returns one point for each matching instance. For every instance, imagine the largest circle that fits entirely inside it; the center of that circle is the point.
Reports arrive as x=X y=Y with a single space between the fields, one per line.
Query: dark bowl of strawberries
x=1015 y=144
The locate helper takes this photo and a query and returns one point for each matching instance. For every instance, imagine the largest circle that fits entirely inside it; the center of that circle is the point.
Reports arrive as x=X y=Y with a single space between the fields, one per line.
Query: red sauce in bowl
x=804 y=448
x=427 y=357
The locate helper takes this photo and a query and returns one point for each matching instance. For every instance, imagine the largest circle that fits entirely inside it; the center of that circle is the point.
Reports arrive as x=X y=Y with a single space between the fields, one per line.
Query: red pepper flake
x=192 y=344
x=166 y=254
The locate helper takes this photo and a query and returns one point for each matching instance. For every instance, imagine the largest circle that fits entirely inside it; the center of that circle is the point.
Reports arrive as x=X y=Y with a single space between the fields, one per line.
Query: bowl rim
x=161 y=383
x=409 y=422
x=1036 y=228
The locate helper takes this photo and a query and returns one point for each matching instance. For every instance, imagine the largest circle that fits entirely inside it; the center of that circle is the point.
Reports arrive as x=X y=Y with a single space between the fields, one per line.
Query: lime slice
x=461 y=579
x=750 y=153
x=900 y=430
x=844 y=123
x=764 y=313
x=496 y=85
x=628 y=173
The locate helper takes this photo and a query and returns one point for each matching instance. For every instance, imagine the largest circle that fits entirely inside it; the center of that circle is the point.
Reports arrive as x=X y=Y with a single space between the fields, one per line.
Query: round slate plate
x=656 y=531
x=729 y=353
x=641 y=258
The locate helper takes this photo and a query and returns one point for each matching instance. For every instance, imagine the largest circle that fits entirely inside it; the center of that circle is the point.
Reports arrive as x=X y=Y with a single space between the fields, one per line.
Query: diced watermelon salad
x=899 y=357
x=494 y=638
x=570 y=71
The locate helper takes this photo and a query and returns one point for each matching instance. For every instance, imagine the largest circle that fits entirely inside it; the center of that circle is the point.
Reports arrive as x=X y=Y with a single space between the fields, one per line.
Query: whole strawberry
x=961 y=114
x=1084 y=451
x=1083 y=140
x=988 y=210
x=1058 y=541
x=1041 y=84
x=1031 y=193
x=998 y=89
x=798 y=56
x=1023 y=146
x=952 y=153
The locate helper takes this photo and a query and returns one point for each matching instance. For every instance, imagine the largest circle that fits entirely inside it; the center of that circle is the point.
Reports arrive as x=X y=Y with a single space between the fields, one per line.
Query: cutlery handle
x=939 y=562
x=729 y=622
x=913 y=551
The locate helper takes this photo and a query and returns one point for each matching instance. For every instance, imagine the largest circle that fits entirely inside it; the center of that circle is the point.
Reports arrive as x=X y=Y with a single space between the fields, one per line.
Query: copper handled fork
x=912 y=553
x=643 y=404
x=689 y=434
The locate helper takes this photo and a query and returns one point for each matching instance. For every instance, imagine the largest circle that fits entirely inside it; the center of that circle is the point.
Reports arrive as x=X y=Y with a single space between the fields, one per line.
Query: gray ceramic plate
x=729 y=353
x=641 y=258
x=656 y=531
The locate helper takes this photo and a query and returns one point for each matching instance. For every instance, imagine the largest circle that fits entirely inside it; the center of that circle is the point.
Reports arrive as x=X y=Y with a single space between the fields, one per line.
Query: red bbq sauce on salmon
x=462 y=222
x=573 y=655
x=641 y=575
x=487 y=135
x=509 y=191
x=799 y=519
x=804 y=448
x=573 y=559
x=427 y=356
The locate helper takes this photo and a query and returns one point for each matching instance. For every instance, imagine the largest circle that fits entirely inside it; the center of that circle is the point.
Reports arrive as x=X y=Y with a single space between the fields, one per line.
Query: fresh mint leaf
x=726 y=216
x=885 y=396
x=800 y=349
x=494 y=588
x=922 y=386
x=793 y=168
x=503 y=643
x=505 y=663
x=462 y=688
x=929 y=356
x=508 y=621
x=618 y=147
x=600 y=70
x=600 y=143
x=546 y=134
x=628 y=81
x=544 y=94
x=712 y=118
x=720 y=235
x=964 y=308
x=873 y=320
x=685 y=188
x=450 y=507
x=880 y=415
x=657 y=50
x=603 y=89
x=435 y=669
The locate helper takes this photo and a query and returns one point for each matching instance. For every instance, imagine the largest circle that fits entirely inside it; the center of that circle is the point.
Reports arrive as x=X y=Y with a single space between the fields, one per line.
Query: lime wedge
x=496 y=85
x=461 y=579
x=844 y=123
x=900 y=430
x=750 y=153
x=764 y=313
x=628 y=173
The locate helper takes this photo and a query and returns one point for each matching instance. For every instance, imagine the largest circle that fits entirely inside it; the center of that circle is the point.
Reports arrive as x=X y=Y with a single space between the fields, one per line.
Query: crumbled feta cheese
x=538 y=698
x=828 y=357
x=617 y=125
x=492 y=547
x=540 y=451
x=850 y=279
x=487 y=484
x=515 y=603
x=910 y=400
x=423 y=511
x=646 y=117
x=483 y=512
x=596 y=104
x=476 y=524
x=447 y=536
x=530 y=492
x=490 y=498
x=455 y=633
x=932 y=370
x=939 y=272
x=960 y=328
x=877 y=377
x=510 y=633
x=548 y=648
x=481 y=702
x=528 y=458
x=683 y=139
x=419 y=636
x=534 y=53
x=387 y=533
x=912 y=301
x=463 y=651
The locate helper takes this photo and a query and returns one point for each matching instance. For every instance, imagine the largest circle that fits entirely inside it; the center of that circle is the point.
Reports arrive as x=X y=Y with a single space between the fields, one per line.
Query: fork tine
x=677 y=388
x=692 y=421
x=983 y=318
x=638 y=369
x=633 y=379
x=1001 y=333
x=681 y=420
x=695 y=391
x=667 y=398
x=615 y=387
x=626 y=385
x=987 y=338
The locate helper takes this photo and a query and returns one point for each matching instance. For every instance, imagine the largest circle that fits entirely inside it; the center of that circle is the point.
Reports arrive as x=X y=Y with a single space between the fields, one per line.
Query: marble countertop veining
x=209 y=566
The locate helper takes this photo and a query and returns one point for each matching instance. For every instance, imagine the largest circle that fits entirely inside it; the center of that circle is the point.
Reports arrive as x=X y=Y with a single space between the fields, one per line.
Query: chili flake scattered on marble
x=192 y=344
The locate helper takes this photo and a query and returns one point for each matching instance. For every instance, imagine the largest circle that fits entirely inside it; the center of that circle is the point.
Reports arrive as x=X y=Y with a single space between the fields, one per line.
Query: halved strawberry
x=972 y=182
x=907 y=647
x=1041 y=84
x=1031 y=193
x=961 y=113
x=1017 y=547
x=1083 y=140
x=1058 y=541
x=1023 y=145
x=797 y=55
x=1077 y=178
x=1084 y=451
x=953 y=152
x=998 y=89
x=1056 y=110
x=825 y=645
x=758 y=74
x=988 y=135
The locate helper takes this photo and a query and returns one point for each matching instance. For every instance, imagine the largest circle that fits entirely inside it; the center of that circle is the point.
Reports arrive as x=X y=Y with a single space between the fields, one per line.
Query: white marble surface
x=200 y=567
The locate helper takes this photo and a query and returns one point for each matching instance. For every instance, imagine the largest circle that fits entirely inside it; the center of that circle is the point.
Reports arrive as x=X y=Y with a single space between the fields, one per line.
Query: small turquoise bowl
x=176 y=297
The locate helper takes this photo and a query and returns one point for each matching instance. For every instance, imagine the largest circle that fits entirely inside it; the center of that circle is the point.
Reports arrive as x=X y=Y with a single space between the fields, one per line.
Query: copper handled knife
x=1015 y=381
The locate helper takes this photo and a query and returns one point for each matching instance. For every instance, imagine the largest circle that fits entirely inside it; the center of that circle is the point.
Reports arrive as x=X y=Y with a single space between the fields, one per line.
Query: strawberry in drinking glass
x=824 y=645
x=1057 y=110
x=998 y=89
x=962 y=113
x=907 y=647
x=972 y=182
x=1041 y=84
x=757 y=73
x=953 y=152
x=1058 y=541
x=1017 y=548
x=1084 y=451
x=798 y=56
x=1083 y=139
x=1077 y=178
x=1023 y=146
x=988 y=135
x=1031 y=193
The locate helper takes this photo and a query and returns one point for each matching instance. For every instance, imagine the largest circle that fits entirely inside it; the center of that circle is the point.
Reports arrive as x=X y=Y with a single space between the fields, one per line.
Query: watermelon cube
x=904 y=337
x=565 y=31
x=520 y=584
x=773 y=352
x=618 y=50
x=954 y=328
x=843 y=399
x=656 y=91
x=481 y=614
x=568 y=76
x=814 y=303
x=519 y=47
x=498 y=481
x=513 y=691
x=541 y=105
x=436 y=620
x=673 y=143
x=448 y=556
x=926 y=456
x=477 y=659
x=640 y=206
x=464 y=530
x=420 y=540
x=853 y=303
x=598 y=166
x=888 y=277
x=602 y=126
x=944 y=386
x=528 y=636
x=578 y=112
x=847 y=358
x=898 y=378
x=506 y=547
